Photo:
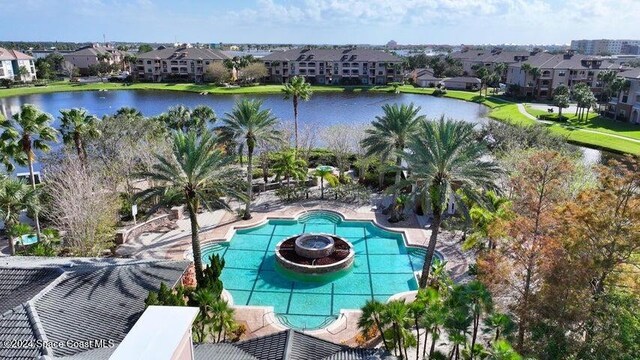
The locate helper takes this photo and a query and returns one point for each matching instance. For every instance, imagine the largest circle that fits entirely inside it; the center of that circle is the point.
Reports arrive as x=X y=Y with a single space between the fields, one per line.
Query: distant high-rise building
x=605 y=46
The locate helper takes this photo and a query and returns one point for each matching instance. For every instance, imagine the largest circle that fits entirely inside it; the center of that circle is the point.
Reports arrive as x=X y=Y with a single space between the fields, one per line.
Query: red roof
x=13 y=55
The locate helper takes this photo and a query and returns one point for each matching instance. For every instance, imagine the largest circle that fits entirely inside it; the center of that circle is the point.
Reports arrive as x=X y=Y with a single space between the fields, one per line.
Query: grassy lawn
x=594 y=122
x=211 y=89
x=501 y=109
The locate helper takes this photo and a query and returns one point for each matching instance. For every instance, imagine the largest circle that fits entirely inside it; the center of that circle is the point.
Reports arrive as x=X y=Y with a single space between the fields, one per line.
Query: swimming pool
x=383 y=266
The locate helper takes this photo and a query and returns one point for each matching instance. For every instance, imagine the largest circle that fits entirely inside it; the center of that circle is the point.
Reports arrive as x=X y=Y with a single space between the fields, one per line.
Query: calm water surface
x=323 y=110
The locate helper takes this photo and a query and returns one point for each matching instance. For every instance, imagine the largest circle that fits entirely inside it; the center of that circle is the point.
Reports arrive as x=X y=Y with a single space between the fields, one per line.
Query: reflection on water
x=324 y=109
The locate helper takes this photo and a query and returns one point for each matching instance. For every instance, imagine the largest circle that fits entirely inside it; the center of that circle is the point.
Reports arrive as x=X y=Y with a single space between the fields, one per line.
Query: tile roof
x=331 y=55
x=631 y=73
x=18 y=286
x=15 y=325
x=486 y=56
x=574 y=62
x=184 y=53
x=95 y=50
x=6 y=54
x=220 y=351
x=463 y=79
x=79 y=299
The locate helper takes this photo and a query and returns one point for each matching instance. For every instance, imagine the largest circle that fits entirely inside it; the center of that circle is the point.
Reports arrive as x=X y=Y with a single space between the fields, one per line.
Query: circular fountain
x=315 y=254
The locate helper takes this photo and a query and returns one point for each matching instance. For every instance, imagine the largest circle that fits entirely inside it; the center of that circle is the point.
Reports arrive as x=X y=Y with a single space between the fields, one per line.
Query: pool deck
x=261 y=320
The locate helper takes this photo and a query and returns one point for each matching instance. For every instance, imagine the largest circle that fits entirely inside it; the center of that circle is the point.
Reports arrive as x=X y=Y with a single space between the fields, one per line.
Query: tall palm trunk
x=12 y=246
x=379 y=326
x=192 y=208
x=435 y=227
x=295 y=122
x=476 y=324
x=247 y=213
x=415 y=321
x=433 y=344
x=33 y=185
x=321 y=188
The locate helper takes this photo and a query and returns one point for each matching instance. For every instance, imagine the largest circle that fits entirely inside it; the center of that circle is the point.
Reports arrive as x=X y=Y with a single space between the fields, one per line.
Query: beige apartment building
x=334 y=66
x=567 y=69
x=177 y=63
x=628 y=107
x=92 y=55
x=472 y=59
x=10 y=63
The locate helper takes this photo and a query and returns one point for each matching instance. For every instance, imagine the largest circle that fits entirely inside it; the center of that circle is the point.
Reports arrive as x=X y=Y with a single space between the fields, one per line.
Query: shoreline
x=499 y=109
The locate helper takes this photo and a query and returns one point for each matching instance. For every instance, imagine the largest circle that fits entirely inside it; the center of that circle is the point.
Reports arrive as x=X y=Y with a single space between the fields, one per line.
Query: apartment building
x=334 y=66
x=11 y=61
x=567 y=69
x=177 y=63
x=628 y=106
x=472 y=59
x=606 y=46
x=90 y=55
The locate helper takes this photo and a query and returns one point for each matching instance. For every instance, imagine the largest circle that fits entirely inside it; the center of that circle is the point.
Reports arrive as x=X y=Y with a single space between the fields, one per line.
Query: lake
x=324 y=109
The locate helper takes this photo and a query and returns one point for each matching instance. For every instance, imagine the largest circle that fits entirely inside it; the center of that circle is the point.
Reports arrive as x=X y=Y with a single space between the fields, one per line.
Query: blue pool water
x=29 y=239
x=383 y=266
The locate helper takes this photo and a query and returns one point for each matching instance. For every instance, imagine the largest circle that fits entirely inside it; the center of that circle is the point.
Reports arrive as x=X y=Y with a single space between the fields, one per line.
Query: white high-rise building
x=606 y=46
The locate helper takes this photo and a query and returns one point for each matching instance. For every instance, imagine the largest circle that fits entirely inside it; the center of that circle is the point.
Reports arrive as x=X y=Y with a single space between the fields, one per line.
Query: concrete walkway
x=524 y=112
x=158 y=245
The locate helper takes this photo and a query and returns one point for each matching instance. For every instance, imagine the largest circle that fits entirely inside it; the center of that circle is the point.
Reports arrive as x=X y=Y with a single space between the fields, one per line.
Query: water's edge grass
x=500 y=109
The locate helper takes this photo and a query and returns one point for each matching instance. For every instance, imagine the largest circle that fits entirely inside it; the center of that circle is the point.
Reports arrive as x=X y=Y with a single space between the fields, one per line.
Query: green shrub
x=439 y=92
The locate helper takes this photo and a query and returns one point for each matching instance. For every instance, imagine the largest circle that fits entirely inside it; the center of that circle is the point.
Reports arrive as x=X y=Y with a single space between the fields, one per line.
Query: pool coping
x=345 y=315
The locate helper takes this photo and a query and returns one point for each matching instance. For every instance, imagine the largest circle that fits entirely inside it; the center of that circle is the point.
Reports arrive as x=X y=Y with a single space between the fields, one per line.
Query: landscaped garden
x=467 y=241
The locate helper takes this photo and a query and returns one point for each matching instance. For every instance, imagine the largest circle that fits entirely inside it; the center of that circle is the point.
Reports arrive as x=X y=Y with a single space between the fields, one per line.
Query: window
x=625 y=98
x=638 y=98
x=148 y=62
x=345 y=64
x=206 y=62
x=561 y=73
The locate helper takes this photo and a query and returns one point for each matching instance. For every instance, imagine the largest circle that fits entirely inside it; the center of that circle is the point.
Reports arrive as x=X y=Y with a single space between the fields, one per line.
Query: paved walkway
x=157 y=245
x=524 y=112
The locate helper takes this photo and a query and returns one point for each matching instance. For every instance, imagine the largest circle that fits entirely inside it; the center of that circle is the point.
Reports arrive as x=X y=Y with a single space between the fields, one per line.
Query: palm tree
x=446 y=157
x=178 y=118
x=76 y=126
x=484 y=218
x=502 y=324
x=526 y=68
x=247 y=125
x=325 y=173
x=618 y=86
x=15 y=196
x=372 y=313
x=389 y=133
x=201 y=115
x=482 y=73
x=502 y=350
x=222 y=318
x=396 y=313
x=23 y=72
x=297 y=89
x=535 y=74
x=26 y=131
x=205 y=300
x=196 y=173
x=479 y=299
x=129 y=112
x=286 y=165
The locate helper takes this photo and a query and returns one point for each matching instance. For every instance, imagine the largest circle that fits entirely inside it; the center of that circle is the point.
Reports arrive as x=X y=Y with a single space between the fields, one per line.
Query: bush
x=8 y=83
x=257 y=173
x=439 y=92
x=355 y=193
x=292 y=193
x=551 y=117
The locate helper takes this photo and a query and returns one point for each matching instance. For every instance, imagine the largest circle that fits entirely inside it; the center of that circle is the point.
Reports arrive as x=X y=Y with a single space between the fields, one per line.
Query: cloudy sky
x=321 y=21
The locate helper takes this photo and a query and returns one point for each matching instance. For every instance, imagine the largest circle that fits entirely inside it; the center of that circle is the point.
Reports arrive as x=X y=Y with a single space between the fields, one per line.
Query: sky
x=320 y=21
